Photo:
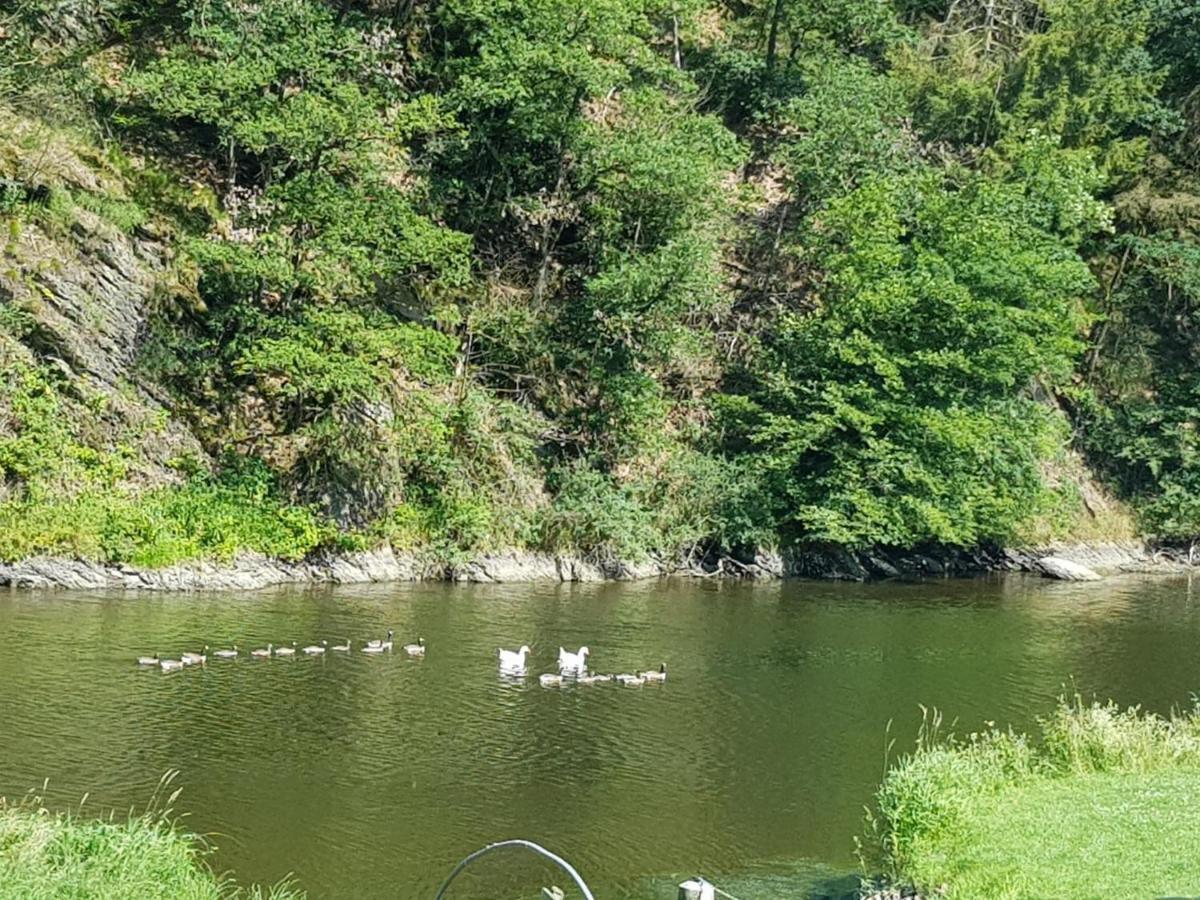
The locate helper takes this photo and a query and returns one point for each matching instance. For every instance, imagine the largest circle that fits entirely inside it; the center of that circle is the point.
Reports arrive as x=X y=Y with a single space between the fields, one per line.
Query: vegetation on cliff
x=615 y=277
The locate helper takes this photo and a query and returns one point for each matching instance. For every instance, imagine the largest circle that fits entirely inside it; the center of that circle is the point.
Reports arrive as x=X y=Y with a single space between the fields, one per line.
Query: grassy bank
x=45 y=855
x=1107 y=803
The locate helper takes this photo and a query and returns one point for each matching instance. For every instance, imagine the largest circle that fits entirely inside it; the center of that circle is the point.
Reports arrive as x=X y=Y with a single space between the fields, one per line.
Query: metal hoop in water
x=517 y=842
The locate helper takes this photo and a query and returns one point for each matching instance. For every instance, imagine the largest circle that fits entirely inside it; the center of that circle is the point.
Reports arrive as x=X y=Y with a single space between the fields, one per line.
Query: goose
x=170 y=665
x=191 y=659
x=264 y=651
x=316 y=649
x=286 y=651
x=574 y=662
x=148 y=660
x=593 y=679
x=387 y=645
x=344 y=648
x=631 y=680
x=660 y=675
x=380 y=644
x=513 y=661
x=417 y=649
x=549 y=680
x=226 y=654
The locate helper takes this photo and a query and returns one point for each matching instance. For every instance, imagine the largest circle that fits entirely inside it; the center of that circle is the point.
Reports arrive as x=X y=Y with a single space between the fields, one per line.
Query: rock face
x=84 y=289
x=1066 y=570
x=251 y=572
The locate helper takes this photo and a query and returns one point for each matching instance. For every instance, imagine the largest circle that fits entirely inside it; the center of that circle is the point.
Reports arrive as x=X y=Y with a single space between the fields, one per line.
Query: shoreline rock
x=254 y=571
x=251 y=571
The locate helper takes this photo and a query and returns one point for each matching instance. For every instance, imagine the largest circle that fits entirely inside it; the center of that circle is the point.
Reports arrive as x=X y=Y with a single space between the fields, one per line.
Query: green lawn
x=1107 y=804
x=1085 y=836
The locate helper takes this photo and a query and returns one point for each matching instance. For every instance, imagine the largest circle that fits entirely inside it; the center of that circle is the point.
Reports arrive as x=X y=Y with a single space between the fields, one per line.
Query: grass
x=1135 y=834
x=205 y=517
x=59 y=856
x=1108 y=803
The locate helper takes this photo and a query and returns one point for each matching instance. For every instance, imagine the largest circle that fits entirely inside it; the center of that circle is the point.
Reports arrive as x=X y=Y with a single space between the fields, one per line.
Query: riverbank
x=44 y=854
x=252 y=571
x=967 y=818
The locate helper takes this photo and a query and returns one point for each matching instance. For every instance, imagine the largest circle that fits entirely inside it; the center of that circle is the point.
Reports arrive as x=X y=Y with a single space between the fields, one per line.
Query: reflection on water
x=370 y=776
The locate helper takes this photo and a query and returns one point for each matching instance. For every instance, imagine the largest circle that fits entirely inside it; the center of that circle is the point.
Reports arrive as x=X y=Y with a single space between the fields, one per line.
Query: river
x=370 y=776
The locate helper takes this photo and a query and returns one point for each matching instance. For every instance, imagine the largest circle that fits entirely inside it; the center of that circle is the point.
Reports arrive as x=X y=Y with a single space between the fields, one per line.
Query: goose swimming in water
x=379 y=643
x=513 y=660
x=660 y=675
x=148 y=660
x=632 y=680
x=286 y=651
x=344 y=648
x=191 y=659
x=226 y=654
x=264 y=651
x=417 y=649
x=170 y=665
x=573 y=662
x=549 y=680
x=316 y=649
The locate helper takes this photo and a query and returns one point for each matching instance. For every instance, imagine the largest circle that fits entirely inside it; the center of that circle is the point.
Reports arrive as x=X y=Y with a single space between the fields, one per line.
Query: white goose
x=263 y=651
x=573 y=662
x=286 y=651
x=513 y=660
x=660 y=675
x=549 y=680
x=316 y=649
x=227 y=654
x=170 y=665
x=417 y=649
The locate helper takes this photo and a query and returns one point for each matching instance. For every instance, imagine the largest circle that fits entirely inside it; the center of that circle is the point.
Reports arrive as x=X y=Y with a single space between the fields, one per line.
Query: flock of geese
x=383 y=645
x=572 y=666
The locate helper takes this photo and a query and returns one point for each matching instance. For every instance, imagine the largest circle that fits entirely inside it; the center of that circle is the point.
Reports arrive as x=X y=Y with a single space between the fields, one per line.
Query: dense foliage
x=628 y=276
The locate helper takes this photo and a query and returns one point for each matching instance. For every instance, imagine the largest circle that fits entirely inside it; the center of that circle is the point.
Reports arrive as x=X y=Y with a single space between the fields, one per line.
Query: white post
x=696 y=889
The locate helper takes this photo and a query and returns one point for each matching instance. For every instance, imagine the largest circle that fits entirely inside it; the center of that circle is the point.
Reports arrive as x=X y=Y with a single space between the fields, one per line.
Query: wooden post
x=696 y=889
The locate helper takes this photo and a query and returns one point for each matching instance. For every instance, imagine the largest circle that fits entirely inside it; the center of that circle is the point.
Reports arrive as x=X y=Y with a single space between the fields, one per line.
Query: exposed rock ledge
x=252 y=571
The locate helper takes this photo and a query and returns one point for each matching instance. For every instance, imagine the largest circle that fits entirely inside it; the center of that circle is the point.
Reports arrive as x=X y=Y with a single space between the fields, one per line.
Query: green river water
x=370 y=776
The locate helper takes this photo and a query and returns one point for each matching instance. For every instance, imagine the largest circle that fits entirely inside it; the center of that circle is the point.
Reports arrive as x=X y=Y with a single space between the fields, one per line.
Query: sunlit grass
x=1108 y=804
x=54 y=856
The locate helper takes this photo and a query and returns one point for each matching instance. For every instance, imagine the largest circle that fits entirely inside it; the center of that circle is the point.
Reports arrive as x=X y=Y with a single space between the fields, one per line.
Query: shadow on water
x=371 y=776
